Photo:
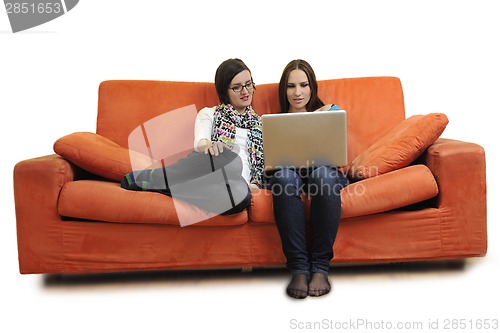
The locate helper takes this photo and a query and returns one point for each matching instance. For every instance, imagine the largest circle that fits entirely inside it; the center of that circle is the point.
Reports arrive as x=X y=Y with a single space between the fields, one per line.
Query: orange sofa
x=73 y=217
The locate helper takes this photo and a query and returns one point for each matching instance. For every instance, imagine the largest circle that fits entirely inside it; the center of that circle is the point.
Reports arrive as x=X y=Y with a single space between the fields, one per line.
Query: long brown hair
x=314 y=102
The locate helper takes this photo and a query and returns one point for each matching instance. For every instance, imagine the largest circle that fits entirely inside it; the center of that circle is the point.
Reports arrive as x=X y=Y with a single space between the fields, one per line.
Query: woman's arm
x=203 y=129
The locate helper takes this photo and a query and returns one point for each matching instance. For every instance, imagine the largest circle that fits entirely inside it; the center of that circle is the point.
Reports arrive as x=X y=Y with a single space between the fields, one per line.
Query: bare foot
x=298 y=286
x=319 y=285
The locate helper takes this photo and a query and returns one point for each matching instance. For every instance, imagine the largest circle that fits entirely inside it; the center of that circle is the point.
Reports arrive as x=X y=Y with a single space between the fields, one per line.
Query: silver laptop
x=304 y=139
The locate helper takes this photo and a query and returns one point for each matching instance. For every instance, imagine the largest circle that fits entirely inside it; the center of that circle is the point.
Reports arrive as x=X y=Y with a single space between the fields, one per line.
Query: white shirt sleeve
x=203 y=125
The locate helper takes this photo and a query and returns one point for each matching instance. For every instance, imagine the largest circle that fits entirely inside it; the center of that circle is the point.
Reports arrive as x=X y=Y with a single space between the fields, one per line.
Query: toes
x=318 y=292
x=319 y=285
x=298 y=287
x=297 y=293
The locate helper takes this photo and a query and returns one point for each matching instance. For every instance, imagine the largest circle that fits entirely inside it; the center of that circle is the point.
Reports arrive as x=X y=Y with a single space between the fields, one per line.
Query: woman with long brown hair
x=308 y=262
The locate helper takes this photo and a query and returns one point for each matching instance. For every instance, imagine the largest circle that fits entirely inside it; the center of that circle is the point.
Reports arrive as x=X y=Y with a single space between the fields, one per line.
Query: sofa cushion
x=399 y=147
x=98 y=200
x=99 y=155
x=389 y=191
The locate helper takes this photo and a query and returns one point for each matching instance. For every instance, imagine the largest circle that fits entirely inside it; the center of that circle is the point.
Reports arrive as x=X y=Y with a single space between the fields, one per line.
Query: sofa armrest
x=37 y=184
x=460 y=171
x=43 y=177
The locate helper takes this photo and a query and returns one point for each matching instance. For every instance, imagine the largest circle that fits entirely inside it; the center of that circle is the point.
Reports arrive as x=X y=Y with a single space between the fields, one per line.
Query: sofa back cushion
x=126 y=104
x=374 y=105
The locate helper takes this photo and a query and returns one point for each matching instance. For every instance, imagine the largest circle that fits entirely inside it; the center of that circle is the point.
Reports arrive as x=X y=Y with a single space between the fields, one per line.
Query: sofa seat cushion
x=386 y=192
x=98 y=200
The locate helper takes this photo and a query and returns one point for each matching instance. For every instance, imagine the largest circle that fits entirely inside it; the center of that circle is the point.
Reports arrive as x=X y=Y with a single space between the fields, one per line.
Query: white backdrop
x=445 y=53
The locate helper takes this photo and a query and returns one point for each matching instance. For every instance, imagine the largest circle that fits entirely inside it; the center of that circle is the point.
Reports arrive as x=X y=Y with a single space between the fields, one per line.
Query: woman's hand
x=214 y=148
x=325 y=107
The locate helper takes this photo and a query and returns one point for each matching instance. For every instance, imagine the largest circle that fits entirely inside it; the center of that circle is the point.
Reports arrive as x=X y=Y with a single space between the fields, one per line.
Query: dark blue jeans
x=322 y=184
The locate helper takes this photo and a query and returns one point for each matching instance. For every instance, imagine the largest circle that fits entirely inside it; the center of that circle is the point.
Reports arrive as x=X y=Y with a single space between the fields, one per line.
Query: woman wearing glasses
x=228 y=137
x=233 y=122
x=308 y=263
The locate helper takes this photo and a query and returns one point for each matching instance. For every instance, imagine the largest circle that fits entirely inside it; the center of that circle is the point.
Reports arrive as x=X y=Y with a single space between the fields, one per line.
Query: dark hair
x=314 y=102
x=225 y=74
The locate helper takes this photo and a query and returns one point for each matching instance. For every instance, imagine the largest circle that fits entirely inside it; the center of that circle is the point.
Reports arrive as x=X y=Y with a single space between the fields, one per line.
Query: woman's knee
x=231 y=163
x=286 y=181
x=285 y=176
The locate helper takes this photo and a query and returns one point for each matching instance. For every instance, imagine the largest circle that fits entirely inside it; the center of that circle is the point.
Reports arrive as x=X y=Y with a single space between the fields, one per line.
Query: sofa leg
x=246 y=269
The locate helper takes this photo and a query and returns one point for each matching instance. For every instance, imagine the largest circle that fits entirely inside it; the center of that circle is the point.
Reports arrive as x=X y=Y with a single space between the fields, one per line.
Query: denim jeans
x=322 y=184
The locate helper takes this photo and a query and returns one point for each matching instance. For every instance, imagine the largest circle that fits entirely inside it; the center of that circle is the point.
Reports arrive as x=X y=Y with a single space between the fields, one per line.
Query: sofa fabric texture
x=73 y=217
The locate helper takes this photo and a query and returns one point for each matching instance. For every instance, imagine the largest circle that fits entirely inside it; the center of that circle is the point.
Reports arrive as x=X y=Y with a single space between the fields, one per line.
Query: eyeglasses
x=237 y=89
